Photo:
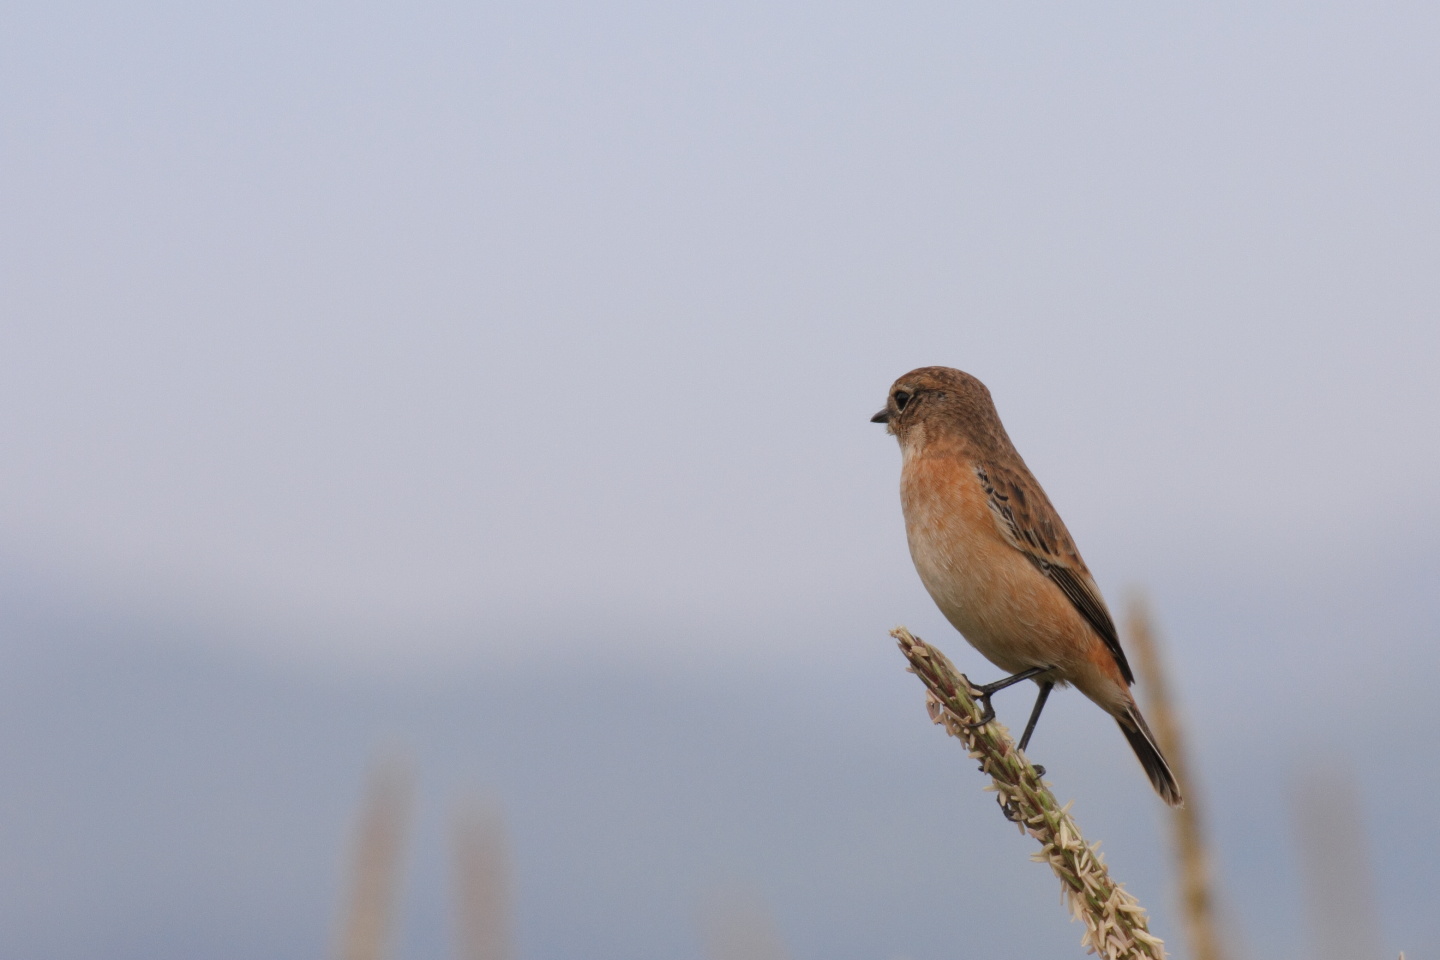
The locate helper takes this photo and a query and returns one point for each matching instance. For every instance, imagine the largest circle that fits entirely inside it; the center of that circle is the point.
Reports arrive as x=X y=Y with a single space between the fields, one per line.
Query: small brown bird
x=999 y=562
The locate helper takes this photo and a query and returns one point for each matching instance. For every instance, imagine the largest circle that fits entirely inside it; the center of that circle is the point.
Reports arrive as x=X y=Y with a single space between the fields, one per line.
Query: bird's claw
x=987 y=713
x=1010 y=811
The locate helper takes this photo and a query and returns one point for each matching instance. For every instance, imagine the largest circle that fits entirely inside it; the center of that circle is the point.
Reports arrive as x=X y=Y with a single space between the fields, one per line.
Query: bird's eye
x=901 y=398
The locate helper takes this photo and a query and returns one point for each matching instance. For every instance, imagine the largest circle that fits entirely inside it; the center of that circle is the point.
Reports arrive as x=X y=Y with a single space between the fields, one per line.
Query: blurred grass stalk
x=1115 y=924
x=482 y=885
x=1340 y=900
x=375 y=867
x=1187 y=828
x=737 y=926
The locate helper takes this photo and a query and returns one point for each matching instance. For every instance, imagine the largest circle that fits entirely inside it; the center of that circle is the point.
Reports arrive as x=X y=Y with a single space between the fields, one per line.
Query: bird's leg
x=988 y=690
x=1045 y=687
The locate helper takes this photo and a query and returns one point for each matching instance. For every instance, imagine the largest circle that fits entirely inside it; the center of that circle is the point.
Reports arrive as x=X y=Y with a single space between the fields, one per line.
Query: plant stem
x=1115 y=924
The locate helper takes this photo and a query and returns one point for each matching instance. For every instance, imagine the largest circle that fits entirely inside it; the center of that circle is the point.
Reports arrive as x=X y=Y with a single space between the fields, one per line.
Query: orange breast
x=989 y=590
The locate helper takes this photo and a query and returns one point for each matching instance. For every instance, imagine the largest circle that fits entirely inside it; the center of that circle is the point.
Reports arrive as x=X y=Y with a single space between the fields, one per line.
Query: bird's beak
x=882 y=417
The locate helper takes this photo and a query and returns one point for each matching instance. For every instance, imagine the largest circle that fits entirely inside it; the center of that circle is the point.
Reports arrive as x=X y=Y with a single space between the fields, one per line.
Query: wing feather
x=1031 y=525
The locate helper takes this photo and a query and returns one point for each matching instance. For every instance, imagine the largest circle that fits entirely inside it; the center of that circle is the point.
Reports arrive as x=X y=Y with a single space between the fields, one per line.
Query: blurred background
x=487 y=384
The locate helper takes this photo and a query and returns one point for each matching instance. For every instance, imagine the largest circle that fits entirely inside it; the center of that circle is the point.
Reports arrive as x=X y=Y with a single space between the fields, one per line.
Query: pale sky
x=402 y=320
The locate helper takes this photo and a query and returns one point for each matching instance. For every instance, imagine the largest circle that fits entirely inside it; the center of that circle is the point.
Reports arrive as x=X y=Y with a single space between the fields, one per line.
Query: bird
x=997 y=560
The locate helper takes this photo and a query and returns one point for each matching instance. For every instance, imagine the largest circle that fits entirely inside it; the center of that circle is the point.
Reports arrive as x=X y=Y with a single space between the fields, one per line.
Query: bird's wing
x=1031 y=525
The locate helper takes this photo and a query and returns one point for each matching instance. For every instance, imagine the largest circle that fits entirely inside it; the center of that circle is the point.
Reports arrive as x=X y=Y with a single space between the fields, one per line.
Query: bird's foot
x=987 y=712
x=1010 y=811
x=985 y=691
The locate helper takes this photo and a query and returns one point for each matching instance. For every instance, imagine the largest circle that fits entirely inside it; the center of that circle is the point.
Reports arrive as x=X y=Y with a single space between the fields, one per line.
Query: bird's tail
x=1142 y=741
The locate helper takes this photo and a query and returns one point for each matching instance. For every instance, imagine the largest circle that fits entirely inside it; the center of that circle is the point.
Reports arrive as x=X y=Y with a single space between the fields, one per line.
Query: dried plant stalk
x=1115 y=924
x=1335 y=871
x=1197 y=896
x=738 y=926
x=375 y=870
x=482 y=885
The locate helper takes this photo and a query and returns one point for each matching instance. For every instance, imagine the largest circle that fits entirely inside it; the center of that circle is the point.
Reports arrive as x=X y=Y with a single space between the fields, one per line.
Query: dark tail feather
x=1142 y=741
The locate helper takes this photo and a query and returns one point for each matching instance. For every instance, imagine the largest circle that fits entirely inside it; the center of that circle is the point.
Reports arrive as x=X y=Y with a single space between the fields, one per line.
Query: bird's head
x=936 y=398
